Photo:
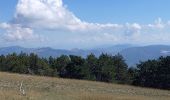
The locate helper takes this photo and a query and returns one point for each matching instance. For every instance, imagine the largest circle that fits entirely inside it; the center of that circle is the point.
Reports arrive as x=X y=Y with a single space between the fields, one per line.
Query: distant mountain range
x=132 y=54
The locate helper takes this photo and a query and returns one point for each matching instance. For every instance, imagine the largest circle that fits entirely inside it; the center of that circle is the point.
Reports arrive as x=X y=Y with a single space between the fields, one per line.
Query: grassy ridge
x=45 y=88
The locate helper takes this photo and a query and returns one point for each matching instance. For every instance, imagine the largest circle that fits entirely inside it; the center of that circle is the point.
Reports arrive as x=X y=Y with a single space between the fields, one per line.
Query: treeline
x=153 y=73
x=105 y=68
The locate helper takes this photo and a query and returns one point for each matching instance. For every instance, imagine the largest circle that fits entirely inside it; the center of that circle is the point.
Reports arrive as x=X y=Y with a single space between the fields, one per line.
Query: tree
x=61 y=64
x=33 y=59
x=51 y=62
x=44 y=68
x=120 y=69
x=2 y=63
x=90 y=67
x=75 y=68
x=11 y=62
x=105 y=69
x=131 y=74
x=154 y=73
x=146 y=73
x=163 y=73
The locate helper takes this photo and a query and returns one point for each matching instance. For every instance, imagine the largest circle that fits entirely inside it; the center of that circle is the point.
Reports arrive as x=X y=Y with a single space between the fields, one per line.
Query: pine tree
x=120 y=69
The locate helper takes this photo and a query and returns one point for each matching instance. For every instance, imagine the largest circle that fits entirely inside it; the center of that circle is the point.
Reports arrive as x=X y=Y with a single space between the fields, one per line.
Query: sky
x=66 y=24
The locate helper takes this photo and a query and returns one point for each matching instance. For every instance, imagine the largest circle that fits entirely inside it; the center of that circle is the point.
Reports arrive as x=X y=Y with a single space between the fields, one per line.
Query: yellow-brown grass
x=45 y=88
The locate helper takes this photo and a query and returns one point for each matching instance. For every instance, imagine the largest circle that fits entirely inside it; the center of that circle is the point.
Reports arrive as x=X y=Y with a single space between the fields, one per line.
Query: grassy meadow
x=46 y=88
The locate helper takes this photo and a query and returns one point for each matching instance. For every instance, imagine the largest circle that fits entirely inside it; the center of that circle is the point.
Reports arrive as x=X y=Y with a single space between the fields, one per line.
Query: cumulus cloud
x=15 y=32
x=53 y=15
x=49 y=14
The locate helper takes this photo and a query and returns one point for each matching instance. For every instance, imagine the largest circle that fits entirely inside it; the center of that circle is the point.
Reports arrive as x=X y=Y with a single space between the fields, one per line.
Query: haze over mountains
x=132 y=54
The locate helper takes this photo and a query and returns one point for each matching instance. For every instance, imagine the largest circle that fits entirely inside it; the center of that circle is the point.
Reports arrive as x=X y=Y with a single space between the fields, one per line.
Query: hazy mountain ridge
x=136 y=54
x=132 y=54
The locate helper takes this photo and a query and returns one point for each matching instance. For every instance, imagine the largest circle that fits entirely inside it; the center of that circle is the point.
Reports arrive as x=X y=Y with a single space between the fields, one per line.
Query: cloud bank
x=15 y=32
x=53 y=15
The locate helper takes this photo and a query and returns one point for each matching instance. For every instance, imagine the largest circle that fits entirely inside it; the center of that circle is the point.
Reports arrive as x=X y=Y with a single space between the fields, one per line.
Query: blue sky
x=120 y=11
x=7 y=9
x=83 y=23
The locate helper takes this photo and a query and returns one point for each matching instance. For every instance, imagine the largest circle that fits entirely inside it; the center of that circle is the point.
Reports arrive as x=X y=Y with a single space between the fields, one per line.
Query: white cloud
x=132 y=28
x=4 y=26
x=15 y=32
x=50 y=14
x=157 y=25
x=53 y=15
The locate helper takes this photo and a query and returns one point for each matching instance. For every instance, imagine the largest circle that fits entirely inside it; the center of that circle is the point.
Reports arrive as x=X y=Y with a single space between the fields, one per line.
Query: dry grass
x=45 y=88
